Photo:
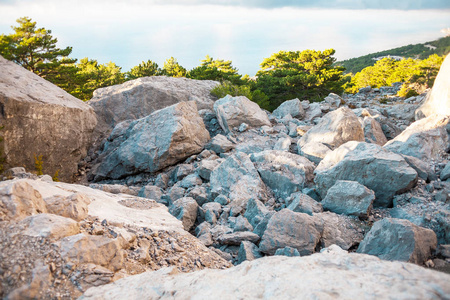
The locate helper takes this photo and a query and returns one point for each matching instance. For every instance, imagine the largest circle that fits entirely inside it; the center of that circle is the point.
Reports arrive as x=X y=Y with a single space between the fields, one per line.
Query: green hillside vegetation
x=307 y=75
x=418 y=51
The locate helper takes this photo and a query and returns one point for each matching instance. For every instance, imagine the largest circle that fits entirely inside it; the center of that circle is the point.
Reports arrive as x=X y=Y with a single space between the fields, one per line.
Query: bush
x=227 y=88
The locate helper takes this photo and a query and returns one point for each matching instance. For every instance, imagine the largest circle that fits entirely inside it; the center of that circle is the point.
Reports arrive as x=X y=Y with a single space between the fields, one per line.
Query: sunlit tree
x=173 y=69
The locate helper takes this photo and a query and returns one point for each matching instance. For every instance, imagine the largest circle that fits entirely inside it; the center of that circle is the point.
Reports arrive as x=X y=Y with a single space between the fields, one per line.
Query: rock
x=191 y=181
x=371 y=166
x=199 y=193
x=181 y=171
x=334 y=129
x=402 y=111
x=287 y=251
x=151 y=192
x=248 y=251
x=141 y=97
x=220 y=144
x=255 y=211
x=50 y=226
x=445 y=173
x=206 y=167
x=284 y=172
x=423 y=169
x=425 y=139
x=288 y=228
x=373 y=133
x=39 y=118
x=113 y=188
x=18 y=199
x=99 y=250
x=349 y=198
x=291 y=107
x=283 y=144
x=185 y=209
x=152 y=143
x=312 y=112
x=305 y=204
x=233 y=111
x=241 y=224
x=282 y=277
x=237 y=179
x=314 y=151
x=236 y=238
x=437 y=101
x=344 y=231
x=333 y=100
x=74 y=206
x=395 y=239
x=15 y=172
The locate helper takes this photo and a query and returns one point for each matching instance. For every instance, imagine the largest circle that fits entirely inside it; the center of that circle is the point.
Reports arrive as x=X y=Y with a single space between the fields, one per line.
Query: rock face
x=382 y=171
x=425 y=139
x=39 y=118
x=335 y=128
x=438 y=100
x=159 y=140
x=281 y=277
x=233 y=111
x=395 y=239
x=141 y=97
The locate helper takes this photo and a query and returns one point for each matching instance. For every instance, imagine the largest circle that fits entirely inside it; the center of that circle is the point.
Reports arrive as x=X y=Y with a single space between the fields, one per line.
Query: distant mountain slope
x=439 y=47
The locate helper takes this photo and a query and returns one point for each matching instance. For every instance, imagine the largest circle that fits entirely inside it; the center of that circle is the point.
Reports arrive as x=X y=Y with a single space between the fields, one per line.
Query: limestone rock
x=248 y=251
x=151 y=192
x=344 y=231
x=395 y=239
x=291 y=107
x=425 y=139
x=255 y=211
x=185 y=209
x=384 y=172
x=220 y=144
x=305 y=204
x=373 y=132
x=314 y=151
x=152 y=143
x=438 y=100
x=313 y=277
x=141 y=97
x=284 y=172
x=349 y=198
x=334 y=129
x=333 y=100
x=288 y=228
x=283 y=144
x=74 y=206
x=233 y=111
x=39 y=118
x=18 y=199
x=206 y=167
x=50 y=226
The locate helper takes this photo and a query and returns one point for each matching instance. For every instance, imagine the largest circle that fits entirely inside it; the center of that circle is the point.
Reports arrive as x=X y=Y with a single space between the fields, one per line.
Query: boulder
x=18 y=199
x=384 y=172
x=403 y=111
x=396 y=239
x=284 y=172
x=333 y=273
x=438 y=100
x=151 y=192
x=248 y=251
x=344 y=231
x=373 y=133
x=314 y=151
x=303 y=203
x=185 y=209
x=74 y=206
x=141 y=97
x=233 y=111
x=296 y=230
x=50 y=226
x=220 y=144
x=236 y=238
x=349 y=198
x=425 y=139
x=291 y=107
x=255 y=212
x=39 y=118
x=237 y=179
x=312 y=112
x=287 y=251
x=152 y=143
x=334 y=129
x=333 y=100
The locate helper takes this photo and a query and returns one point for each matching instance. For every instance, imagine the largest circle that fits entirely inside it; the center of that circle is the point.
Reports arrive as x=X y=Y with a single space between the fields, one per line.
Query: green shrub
x=55 y=176
x=227 y=88
x=38 y=164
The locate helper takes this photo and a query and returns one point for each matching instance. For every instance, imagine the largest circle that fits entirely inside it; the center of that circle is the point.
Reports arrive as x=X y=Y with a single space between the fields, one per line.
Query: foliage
x=38 y=164
x=55 y=176
x=2 y=158
x=305 y=74
x=219 y=70
x=144 y=69
x=420 y=51
x=35 y=49
x=227 y=88
x=173 y=69
x=417 y=75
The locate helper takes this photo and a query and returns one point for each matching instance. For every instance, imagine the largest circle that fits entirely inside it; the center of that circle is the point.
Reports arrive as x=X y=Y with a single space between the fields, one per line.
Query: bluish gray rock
x=395 y=239
x=248 y=251
x=382 y=171
x=151 y=192
x=283 y=144
x=314 y=151
x=296 y=230
x=206 y=167
x=255 y=211
x=305 y=204
x=236 y=238
x=341 y=230
x=185 y=209
x=220 y=144
x=233 y=111
x=373 y=133
x=287 y=251
x=240 y=223
x=152 y=143
x=284 y=172
x=349 y=198
x=291 y=107
x=445 y=173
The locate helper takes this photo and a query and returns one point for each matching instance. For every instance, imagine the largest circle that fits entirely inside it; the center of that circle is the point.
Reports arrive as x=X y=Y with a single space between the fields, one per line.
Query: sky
x=243 y=31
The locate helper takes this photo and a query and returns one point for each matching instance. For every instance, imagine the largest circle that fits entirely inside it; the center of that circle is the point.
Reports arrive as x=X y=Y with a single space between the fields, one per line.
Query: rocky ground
x=194 y=183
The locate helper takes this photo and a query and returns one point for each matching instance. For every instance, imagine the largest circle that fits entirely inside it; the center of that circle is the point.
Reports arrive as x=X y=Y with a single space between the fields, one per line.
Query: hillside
x=421 y=51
